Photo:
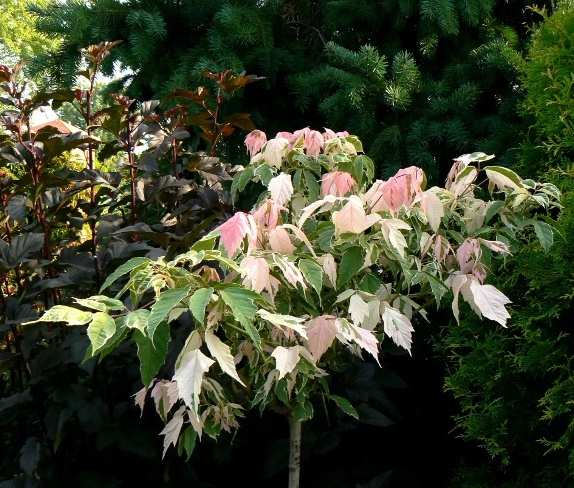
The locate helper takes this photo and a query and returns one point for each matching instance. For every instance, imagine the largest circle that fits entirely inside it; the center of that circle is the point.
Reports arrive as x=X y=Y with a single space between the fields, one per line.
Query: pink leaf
x=267 y=215
x=255 y=141
x=172 y=429
x=279 y=241
x=397 y=191
x=285 y=135
x=165 y=396
x=328 y=134
x=468 y=255
x=321 y=332
x=256 y=274
x=313 y=143
x=234 y=230
x=139 y=398
x=337 y=183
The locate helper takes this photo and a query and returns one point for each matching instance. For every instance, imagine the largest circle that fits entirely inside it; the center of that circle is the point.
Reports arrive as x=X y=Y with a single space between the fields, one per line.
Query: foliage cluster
x=308 y=275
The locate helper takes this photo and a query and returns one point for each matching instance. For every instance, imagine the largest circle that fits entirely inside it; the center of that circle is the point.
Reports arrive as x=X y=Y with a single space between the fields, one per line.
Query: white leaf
x=373 y=318
x=314 y=207
x=139 y=398
x=364 y=338
x=391 y=231
x=294 y=323
x=281 y=189
x=290 y=271
x=189 y=375
x=172 y=429
x=352 y=218
x=221 y=352
x=329 y=268
x=496 y=246
x=358 y=309
x=490 y=301
x=398 y=327
x=274 y=151
x=286 y=358
x=433 y=209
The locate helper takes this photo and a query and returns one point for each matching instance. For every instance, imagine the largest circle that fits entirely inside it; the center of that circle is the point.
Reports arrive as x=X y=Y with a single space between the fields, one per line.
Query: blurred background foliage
x=420 y=82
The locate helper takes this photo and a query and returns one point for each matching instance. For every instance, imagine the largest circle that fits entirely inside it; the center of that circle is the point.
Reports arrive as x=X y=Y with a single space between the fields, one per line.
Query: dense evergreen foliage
x=418 y=81
x=516 y=386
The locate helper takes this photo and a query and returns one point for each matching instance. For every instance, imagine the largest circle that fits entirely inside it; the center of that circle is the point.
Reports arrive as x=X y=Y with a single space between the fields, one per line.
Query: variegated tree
x=327 y=264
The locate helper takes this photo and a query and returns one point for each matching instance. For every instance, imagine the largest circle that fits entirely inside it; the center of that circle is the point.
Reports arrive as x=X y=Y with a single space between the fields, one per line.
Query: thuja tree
x=327 y=264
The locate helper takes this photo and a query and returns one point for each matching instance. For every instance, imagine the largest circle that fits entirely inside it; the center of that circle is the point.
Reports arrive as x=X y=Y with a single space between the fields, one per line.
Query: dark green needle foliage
x=515 y=386
x=420 y=81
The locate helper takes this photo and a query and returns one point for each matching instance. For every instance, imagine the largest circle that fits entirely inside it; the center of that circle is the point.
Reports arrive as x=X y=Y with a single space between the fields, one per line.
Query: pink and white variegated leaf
x=352 y=217
x=172 y=429
x=321 y=332
x=234 y=230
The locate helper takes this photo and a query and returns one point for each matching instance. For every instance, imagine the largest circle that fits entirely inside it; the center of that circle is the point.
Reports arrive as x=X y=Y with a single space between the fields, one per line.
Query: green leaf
x=544 y=233
x=492 y=209
x=313 y=273
x=312 y=185
x=125 y=268
x=187 y=442
x=363 y=167
x=101 y=329
x=303 y=411
x=100 y=303
x=345 y=406
x=198 y=302
x=265 y=174
x=161 y=308
x=138 y=320
x=240 y=182
x=370 y=283
x=115 y=341
x=241 y=303
x=152 y=355
x=438 y=288
x=351 y=262
x=62 y=313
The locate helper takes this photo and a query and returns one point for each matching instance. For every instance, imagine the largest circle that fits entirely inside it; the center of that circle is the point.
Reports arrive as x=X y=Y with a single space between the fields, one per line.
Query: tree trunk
x=294 y=452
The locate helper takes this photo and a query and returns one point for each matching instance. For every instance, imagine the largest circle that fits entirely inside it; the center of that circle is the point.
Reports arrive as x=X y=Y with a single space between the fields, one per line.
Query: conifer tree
x=417 y=80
